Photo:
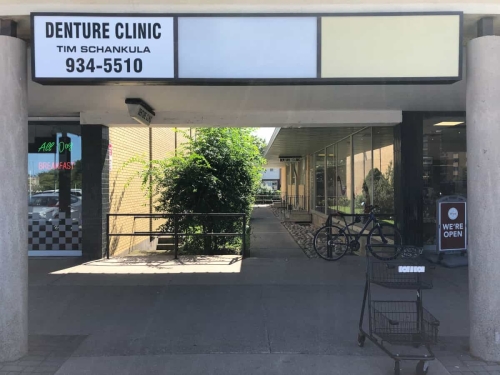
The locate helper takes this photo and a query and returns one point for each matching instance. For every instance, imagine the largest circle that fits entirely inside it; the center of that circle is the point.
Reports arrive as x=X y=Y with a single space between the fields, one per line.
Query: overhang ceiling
x=303 y=142
x=106 y=104
x=19 y=10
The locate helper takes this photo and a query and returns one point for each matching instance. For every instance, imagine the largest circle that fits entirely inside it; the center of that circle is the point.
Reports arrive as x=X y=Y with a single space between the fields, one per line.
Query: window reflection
x=363 y=173
x=319 y=167
x=344 y=183
x=331 y=182
x=445 y=167
x=55 y=188
x=383 y=169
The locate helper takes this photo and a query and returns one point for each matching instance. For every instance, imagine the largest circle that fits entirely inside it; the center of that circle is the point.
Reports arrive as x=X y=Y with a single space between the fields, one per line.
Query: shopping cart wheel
x=361 y=339
x=397 y=369
x=422 y=367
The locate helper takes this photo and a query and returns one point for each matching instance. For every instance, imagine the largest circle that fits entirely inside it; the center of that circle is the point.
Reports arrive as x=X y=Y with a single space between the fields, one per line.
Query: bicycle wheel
x=331 y=243
x=384 y=241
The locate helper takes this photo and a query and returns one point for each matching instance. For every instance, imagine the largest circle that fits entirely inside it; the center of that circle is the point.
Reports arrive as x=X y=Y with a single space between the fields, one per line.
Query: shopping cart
x=400 y=323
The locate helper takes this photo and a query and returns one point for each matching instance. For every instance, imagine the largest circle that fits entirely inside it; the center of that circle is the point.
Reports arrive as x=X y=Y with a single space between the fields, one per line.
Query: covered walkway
x=270 y=239
x=268 y=316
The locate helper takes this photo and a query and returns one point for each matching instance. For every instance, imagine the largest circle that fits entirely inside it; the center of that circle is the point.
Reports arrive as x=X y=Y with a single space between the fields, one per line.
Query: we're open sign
x=452 y=226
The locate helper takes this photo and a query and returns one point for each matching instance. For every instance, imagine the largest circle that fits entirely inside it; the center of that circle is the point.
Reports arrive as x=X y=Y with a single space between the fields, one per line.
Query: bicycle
x=331 y=242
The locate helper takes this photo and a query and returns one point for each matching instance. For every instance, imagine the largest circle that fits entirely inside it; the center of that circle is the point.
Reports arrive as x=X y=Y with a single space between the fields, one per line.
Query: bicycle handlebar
x=369 y=209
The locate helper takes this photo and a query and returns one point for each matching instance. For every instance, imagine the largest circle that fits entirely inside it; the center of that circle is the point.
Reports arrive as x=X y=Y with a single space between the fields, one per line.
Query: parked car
x=45 y=206
x=77 y=192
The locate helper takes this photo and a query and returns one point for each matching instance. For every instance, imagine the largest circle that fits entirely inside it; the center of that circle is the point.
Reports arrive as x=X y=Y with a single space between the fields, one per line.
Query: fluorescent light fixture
x=449 y=123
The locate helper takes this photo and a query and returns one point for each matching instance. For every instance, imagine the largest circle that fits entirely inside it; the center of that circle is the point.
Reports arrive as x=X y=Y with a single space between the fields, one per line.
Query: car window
x=42 y=202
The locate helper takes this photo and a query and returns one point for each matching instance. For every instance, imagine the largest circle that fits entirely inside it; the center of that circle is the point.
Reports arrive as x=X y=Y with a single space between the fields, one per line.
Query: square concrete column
x=483 y=188
x=13 y=200
x=95 y=186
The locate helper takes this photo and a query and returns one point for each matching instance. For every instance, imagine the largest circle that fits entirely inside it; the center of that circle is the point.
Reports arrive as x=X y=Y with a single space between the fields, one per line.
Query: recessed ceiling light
x=449 y=123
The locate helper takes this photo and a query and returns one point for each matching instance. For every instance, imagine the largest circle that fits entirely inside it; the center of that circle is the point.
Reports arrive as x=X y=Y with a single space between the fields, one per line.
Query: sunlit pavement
x=263 y=315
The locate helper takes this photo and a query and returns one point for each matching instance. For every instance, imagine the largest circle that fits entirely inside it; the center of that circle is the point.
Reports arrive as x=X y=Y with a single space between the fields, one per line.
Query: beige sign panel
x=396 y=46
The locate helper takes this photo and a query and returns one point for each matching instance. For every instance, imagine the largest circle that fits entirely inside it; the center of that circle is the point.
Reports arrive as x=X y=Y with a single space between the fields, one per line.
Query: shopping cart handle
x=436 y=323
x=393 y=322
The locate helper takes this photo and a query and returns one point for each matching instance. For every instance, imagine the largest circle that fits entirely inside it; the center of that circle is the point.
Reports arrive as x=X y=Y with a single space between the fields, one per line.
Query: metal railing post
x=107 y=236
x=176 y=237
x=244 y=236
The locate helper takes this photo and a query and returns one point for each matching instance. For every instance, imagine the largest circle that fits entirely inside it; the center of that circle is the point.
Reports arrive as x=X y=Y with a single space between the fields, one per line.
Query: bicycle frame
x=346 y=230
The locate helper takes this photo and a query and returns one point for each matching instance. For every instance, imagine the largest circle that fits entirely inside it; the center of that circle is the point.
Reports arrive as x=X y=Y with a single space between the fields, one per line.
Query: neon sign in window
x=51 y=147
x=62 y=165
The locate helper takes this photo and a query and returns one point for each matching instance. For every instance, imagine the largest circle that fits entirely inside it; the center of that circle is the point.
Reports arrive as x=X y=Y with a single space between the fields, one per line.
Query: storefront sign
x=49 y=145
x=452 y=226
x=102 y=47
x=52 y=147
x=240 y=49
x=292 y=159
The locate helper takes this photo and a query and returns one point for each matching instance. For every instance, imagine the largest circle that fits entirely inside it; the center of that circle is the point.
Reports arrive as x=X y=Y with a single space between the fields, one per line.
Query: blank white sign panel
x=415 y=46
x=247 y=47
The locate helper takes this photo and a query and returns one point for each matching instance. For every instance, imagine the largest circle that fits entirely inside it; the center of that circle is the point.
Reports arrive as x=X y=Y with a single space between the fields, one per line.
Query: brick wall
x=128 y=142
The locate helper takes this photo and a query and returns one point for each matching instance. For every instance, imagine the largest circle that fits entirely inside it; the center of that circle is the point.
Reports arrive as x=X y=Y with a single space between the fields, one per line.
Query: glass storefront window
x=55 y=188
x=445 y=167
x=319 y=167
x=344 y=173
x=359 y=172
x=363 y=179
x=331 y=178
x=383 y=169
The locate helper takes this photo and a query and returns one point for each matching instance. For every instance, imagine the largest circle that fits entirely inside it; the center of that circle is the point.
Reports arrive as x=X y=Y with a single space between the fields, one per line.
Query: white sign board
x=103 y=47
x=248 y=47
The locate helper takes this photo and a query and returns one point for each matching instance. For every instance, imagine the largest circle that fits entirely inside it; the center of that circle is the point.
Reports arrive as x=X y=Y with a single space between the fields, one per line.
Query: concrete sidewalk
x=269 y=239
x=265 y=316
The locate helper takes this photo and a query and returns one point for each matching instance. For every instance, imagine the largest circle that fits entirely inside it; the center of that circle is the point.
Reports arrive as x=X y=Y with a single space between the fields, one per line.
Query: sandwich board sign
x=452 y=223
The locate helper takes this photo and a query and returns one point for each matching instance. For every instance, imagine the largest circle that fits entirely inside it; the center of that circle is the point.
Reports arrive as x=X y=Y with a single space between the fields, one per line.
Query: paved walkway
x=264 y=315
x=269 y=238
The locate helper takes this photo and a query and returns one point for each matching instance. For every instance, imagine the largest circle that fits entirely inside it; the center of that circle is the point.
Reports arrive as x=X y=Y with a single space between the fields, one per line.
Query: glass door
x=54 y=190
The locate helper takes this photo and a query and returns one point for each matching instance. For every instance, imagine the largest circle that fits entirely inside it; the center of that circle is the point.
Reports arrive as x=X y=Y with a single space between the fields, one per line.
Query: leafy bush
x=218 y=171
x=383 y=189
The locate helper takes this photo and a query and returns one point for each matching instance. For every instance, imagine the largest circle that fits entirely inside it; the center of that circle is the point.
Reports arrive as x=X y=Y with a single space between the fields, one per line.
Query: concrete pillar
x=13 y=200
x=483 y=187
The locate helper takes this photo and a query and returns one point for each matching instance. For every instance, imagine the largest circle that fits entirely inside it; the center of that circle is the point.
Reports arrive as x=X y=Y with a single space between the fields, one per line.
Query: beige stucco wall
x=140 y=5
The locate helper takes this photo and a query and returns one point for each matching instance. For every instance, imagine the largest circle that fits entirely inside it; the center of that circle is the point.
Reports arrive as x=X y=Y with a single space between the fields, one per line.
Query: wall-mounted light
x=449 y=123
x=140 y=111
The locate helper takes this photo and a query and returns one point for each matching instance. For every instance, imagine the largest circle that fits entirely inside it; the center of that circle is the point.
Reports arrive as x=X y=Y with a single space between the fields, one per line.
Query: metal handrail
x=291 y=203
x=176 y=232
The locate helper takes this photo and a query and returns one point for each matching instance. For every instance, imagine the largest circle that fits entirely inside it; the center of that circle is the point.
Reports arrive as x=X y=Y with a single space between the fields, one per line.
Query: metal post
x=176 y=237
x=107 y=236
x=244 y=249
